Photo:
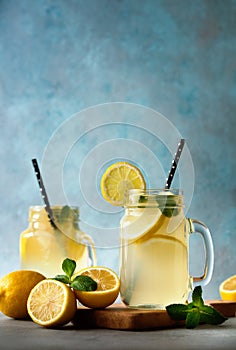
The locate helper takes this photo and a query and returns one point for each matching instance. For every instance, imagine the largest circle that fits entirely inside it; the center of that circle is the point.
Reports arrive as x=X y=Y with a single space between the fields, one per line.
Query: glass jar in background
x=43 y=247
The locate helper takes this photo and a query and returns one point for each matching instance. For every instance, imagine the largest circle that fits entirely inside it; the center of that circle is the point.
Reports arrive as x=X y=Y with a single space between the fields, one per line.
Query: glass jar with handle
x=154 y=249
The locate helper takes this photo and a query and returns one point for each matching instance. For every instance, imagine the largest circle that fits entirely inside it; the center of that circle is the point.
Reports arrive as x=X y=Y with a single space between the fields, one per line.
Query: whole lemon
x=15 y=288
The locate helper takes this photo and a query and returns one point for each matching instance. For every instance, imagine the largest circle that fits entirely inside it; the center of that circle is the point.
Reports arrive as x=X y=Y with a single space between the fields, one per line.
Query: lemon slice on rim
x=51 y=303
x=108 y=287
x=227 y=289
x=117 y=179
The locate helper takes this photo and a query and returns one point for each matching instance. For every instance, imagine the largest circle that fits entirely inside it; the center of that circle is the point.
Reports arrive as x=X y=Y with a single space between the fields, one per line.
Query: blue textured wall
x=177 y=57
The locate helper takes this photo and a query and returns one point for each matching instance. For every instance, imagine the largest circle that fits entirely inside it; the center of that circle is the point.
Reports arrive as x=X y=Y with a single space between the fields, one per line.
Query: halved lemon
x=51 y=303
x=117 y=179
x=108 y=287
x=227 y=289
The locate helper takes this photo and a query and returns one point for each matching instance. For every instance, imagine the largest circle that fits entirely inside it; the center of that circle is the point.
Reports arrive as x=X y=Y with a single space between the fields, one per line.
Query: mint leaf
x=190 y=305
x=65 y=213
x=83 y=283
x=192 y=319
x=143 y=199
x=177 y=311
x=62 y=278
x=68 y=266
x=211 y=316
x=168 y=206
x=197 y=296
x=195 y=311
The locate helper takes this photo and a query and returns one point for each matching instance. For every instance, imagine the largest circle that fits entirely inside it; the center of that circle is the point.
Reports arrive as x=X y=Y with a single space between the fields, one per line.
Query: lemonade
x=43 y=248
x=154 y=234
x=154 y=250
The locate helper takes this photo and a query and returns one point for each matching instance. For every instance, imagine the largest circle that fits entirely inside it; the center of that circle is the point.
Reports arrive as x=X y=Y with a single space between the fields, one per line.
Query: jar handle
x=92 y=258
x=197 y=226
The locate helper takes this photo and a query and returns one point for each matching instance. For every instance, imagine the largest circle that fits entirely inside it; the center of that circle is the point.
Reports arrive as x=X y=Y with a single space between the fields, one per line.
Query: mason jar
x=154 y=256
x=43 y=247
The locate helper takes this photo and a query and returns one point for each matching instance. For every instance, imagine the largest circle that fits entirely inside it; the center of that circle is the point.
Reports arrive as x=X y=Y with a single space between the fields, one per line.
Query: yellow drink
x=154 y=252
x=43 y=248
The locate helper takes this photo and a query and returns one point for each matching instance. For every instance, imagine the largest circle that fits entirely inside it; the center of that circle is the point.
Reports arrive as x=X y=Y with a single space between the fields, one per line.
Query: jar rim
x=156 y=191
x=38 y=211
x=153 y=197
x=40 y=207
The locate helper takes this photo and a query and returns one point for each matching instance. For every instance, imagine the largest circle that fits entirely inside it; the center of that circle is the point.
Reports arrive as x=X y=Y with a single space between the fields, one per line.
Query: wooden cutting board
x=118 y=316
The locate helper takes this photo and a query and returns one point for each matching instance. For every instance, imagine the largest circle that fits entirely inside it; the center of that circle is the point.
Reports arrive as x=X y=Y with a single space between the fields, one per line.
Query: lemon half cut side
x=51 y=303
x=227 y=289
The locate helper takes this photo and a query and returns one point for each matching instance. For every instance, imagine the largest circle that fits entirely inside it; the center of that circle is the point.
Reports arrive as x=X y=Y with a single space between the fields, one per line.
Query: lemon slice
x=108 y=287
x=227 y=289
x=117 y=179
x=51 y=303
x=145 y=222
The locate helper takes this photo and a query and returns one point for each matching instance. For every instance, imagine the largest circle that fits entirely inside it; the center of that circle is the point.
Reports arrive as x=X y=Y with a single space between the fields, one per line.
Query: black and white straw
x=174 y=164
x=43 y=192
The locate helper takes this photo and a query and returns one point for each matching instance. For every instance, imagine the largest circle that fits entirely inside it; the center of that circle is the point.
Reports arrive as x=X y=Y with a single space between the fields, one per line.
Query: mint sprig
x=195 y=312
x=166 y=204
x=80 y=282
x=68 y=266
